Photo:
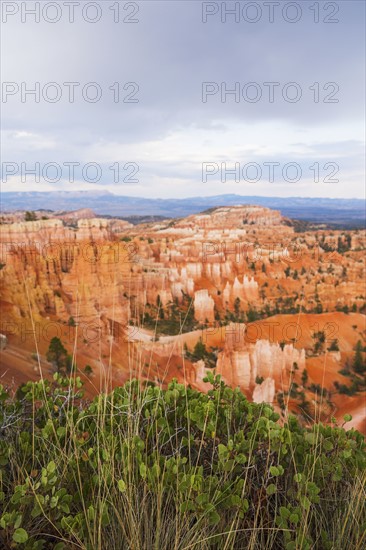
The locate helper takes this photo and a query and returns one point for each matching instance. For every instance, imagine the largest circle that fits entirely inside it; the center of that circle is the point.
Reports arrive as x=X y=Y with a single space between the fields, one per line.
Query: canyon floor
x=275 y=308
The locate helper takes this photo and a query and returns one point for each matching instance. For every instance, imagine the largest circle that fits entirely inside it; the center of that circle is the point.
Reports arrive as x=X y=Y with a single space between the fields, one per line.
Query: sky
x=184 y=98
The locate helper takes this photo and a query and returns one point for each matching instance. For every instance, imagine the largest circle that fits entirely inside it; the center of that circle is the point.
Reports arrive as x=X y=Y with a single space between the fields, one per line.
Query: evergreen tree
x=199 y=351
x=359 y=365
x=30 y=217
x=57 y=355
x=304 y=377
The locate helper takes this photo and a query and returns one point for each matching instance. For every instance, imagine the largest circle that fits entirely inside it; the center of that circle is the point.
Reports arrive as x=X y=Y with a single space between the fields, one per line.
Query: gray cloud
x=169 y=54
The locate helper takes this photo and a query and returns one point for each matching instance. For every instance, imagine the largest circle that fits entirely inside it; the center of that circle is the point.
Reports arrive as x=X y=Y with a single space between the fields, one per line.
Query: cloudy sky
x=292 y=126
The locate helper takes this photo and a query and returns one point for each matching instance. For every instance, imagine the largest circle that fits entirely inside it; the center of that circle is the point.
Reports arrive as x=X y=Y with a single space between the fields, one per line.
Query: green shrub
x=146 y=467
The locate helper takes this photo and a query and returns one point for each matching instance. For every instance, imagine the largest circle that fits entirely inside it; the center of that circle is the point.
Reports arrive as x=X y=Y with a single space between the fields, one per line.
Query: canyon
x=276 y=311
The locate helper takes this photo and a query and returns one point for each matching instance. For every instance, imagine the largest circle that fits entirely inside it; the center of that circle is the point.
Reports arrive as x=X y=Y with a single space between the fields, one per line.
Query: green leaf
x=222 y=450
x=53 y=502
x=37 y=510
x=61 y=431
x=51 y=467
x=143 y=470
x=3 y=521
x=18 y=521
x=245 y=505
x=305 y=502
x=284 y=512
x=271 y=489
x=347 y=417
x=202 y=499
x=241 y=459
x=20 y=535
x=294 y=518
x=214 y=517
x=186 y=506
x=235 y=500
x=122 y=485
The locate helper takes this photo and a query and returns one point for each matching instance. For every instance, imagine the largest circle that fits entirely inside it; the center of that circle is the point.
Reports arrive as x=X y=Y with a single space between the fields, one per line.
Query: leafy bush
x=152 y=468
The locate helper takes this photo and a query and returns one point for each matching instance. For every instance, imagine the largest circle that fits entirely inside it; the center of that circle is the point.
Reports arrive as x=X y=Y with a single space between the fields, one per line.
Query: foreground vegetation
x=147 y=468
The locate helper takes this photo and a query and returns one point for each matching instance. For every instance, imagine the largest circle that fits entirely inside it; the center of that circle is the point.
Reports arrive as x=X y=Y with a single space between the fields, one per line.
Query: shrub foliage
x=151 y=468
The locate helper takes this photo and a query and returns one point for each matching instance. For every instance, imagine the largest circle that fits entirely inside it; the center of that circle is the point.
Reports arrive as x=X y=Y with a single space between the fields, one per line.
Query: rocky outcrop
x=108 y=272
x=75 y=215
x=204 y=307
x=232 y=217
x=246 y=291
x=265 y=392
x=242 y=364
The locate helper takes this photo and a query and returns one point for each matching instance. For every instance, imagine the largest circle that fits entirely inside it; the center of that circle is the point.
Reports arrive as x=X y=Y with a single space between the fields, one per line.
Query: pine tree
x=199 y=351
x=359 y=365
x=57 y=354
x=30 y=217
x=304 y=377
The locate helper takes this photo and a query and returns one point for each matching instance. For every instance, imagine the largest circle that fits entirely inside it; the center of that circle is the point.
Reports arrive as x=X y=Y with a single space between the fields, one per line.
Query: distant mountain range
x=346 y=212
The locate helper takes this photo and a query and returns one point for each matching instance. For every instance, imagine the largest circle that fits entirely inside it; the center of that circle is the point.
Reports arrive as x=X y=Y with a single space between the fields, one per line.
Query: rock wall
x=241 y=365
x=203 y=307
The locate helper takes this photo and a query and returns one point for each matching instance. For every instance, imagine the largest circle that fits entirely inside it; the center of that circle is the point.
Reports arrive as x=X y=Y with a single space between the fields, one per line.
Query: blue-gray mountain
x=319 y=210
